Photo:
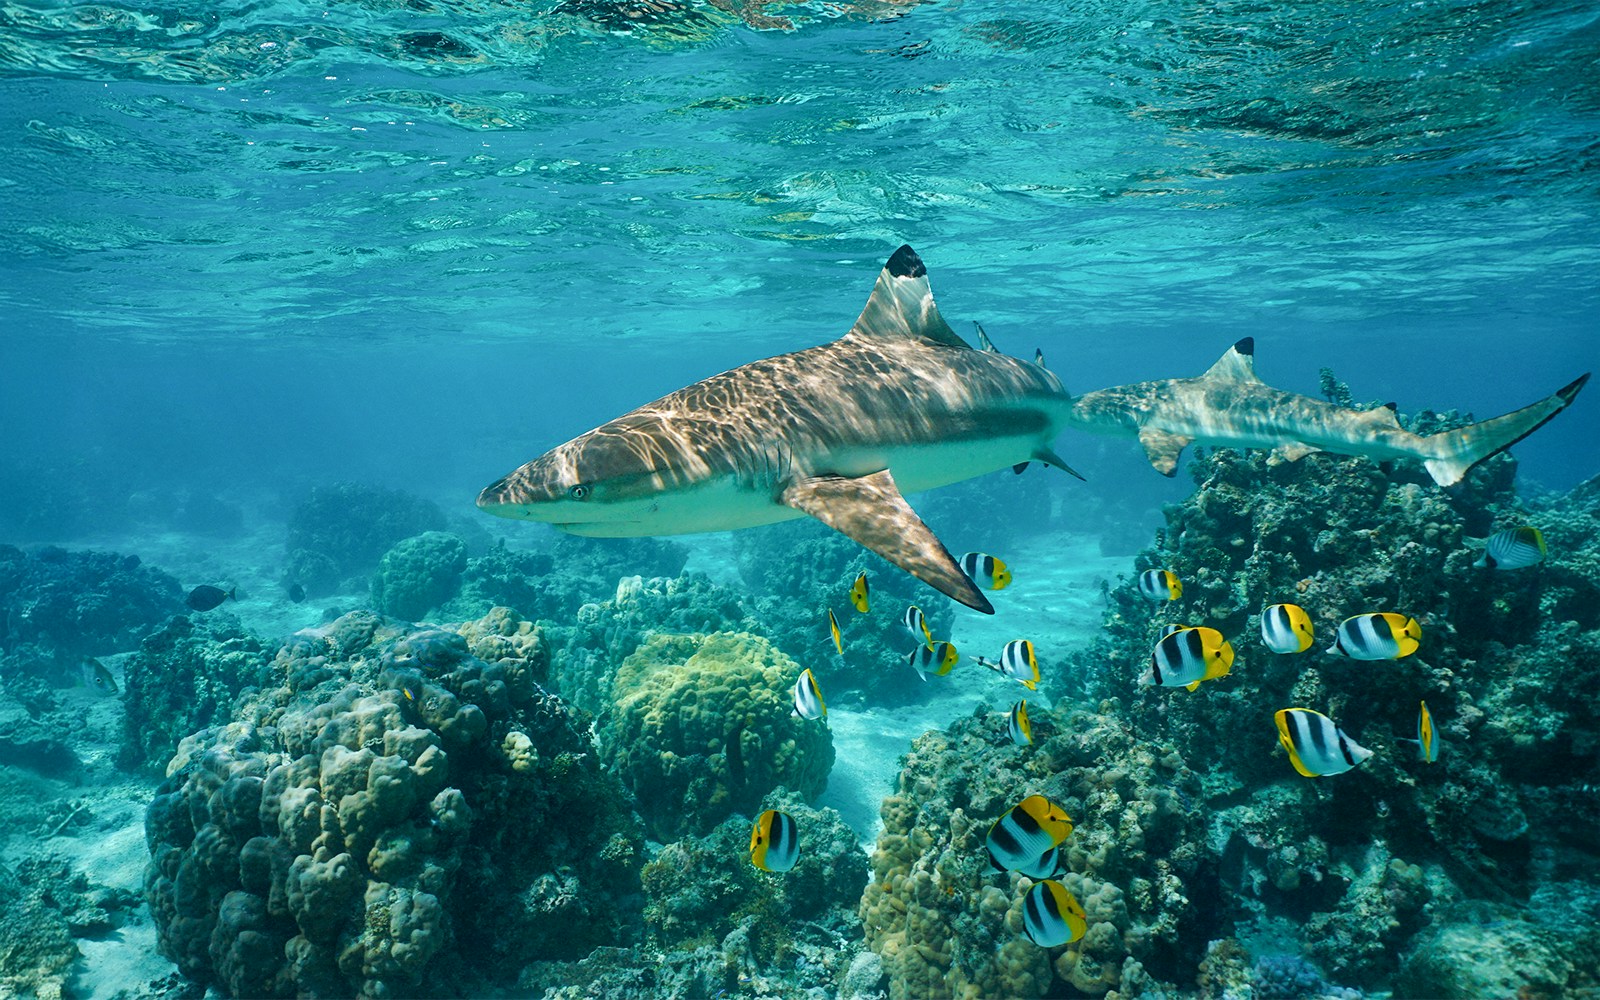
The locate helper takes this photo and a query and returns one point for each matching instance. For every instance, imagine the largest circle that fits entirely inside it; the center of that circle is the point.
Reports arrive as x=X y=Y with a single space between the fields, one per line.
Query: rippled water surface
x=1407 y=191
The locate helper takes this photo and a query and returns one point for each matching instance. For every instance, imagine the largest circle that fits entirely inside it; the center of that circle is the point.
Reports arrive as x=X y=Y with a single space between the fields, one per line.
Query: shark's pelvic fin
x=901 y=305
x=1293 y=451
x=1457 y=451
x=1048 y=457
x=1237 y=364
x=870 y=510
x=1163 y=448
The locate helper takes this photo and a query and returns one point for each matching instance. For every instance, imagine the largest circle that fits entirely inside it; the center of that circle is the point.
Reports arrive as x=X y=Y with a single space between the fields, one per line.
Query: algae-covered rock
x=702 y=726
x=341 y=531
x=419 y=574
x=397 y=816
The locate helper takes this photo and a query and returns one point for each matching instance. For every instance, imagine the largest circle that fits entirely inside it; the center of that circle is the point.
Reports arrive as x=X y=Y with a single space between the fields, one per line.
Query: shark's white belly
x=731 y=502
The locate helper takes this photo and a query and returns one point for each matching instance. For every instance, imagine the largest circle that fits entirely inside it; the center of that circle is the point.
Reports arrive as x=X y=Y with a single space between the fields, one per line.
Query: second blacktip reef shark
x=1230 y=407
x=901 y=403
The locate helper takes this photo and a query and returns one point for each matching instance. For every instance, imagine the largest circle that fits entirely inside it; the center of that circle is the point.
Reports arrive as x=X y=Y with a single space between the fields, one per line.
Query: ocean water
x=255 y=248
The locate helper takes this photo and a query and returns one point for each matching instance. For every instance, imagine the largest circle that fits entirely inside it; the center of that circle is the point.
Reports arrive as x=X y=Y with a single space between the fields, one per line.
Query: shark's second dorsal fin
x=901 y=305
x=1237 y=364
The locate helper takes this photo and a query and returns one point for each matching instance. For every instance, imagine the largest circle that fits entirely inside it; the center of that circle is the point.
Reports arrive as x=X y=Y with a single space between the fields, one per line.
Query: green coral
x=702 y=726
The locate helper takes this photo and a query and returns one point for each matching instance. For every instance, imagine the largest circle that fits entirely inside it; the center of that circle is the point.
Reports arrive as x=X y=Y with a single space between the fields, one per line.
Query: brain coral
x=701 y=726
x=419 y=574
x=397 y=816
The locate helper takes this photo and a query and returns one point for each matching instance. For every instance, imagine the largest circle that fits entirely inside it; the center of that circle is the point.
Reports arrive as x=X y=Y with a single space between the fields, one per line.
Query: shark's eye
x=578 y=492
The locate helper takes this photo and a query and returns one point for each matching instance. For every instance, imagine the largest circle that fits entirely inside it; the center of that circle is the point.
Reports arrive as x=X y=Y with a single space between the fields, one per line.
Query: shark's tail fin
x=1454 y=452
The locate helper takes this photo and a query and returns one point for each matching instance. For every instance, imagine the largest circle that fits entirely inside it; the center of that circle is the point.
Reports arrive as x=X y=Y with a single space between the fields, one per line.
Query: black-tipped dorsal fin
x=1237 y=364
x=901 y=305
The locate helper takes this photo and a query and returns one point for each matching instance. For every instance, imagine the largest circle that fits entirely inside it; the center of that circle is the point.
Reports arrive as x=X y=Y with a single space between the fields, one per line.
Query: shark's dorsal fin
x=870 y=510
x=984 y=343
x=1237 y=364
x=901 y=305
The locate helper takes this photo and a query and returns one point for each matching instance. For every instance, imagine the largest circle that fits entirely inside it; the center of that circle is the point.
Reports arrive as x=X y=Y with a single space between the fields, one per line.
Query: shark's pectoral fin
x=1163 y=448
x=1292 y=451
x=870 y=510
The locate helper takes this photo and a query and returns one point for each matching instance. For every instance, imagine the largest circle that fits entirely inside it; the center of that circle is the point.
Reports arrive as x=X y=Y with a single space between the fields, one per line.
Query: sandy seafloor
x=1055 y=600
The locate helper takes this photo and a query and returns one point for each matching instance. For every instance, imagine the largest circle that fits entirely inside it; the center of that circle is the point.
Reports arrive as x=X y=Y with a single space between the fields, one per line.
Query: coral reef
x=398 y=816
x=340 y=532
x=945 y=927
x=57 y=606
x=419 y=574
x=702 y=726
x=186 y=676
x=553 y=584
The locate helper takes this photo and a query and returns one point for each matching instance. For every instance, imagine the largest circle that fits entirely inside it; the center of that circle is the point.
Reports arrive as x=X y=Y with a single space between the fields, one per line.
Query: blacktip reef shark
x=1229 y=406
x=899 y=404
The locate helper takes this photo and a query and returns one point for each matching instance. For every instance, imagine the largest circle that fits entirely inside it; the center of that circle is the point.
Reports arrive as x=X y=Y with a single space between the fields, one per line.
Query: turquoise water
x=255 y=248
x=308 y=238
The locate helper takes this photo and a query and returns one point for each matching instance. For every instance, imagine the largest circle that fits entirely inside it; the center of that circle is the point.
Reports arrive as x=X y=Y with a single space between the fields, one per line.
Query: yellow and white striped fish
x=1427 y=737
x=1017 y=726
x=1316 y=746
x=917 y=625
x=1187 y=656
x=986 y=571
x=1513 y=548
x=1160 y=585
x=1051 y=916
x=1381 y=635
x=1286 y=628
x=833 y=630
x=1017 y=662
x=774 y=842
x=808 y=702
x=939 y=659
x=1026 y=832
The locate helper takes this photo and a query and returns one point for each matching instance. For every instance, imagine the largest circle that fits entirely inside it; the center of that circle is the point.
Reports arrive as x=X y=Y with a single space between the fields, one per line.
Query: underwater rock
x=553 y=584
x=945 y=926
x=396 y=817
x=1476 y=951
x=339 y=532
x=65 y=605
x=701 y=726
x=186 y=676
x=419 y=574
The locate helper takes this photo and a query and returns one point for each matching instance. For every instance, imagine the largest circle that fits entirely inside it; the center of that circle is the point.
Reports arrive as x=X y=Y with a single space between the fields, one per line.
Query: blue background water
x=275 y=244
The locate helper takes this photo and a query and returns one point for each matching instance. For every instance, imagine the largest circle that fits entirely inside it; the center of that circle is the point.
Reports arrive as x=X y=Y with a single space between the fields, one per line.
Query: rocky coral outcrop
x=945 y=927
x=702 y=726
x=397 y=816
x=419 y=574
x=340 y=532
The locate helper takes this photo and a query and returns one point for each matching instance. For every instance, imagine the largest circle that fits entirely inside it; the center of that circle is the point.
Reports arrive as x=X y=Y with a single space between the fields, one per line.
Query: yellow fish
x=858 y=593
x=833 y=627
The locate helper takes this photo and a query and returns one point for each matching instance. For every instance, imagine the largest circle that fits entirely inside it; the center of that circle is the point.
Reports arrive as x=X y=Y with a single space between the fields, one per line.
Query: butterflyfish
x=1378 y=636
x=1051 y=915
x=1160 y=585
x=858 y=594
x=1427 y=737
x=1286 y=628
x=1316 y=746
x=1026 y=832
x=99 y=677
x=918 y=626
x=205 y=597
x=1017 y=726
x=1513 y=549
x=1188 y=656
x=833 y=629
x=939 y=659
x=1017 y=662
x=808 y=702
x=774 y=842
x=986 y=571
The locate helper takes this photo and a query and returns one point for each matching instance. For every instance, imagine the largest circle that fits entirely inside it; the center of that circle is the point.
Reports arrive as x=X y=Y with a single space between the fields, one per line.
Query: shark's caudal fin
x=901 y=305
x=870 y=510
x=1459 y=450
